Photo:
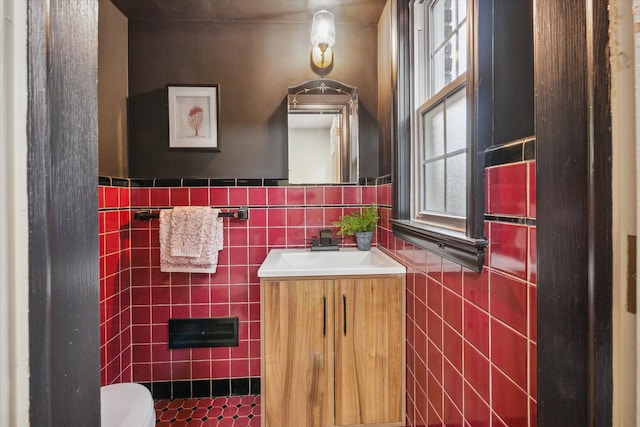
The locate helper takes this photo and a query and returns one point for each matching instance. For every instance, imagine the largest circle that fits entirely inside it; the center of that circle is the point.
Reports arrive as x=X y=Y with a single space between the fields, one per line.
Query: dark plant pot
x=364 y=239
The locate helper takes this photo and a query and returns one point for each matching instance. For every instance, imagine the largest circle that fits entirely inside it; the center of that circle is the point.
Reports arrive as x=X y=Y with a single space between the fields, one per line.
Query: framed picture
x=193 y=116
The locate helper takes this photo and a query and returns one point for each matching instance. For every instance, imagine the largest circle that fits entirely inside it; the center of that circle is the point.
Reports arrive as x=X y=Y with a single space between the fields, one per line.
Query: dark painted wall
x=253 y=63
x=513 y=115
x=385 y=92
x=113 y=88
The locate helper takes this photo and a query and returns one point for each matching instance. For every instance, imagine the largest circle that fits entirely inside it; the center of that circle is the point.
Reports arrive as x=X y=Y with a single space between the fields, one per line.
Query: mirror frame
x=326 y=95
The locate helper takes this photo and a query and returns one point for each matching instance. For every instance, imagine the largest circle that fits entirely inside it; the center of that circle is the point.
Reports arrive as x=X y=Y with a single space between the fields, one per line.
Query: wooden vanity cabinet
x=333 y=351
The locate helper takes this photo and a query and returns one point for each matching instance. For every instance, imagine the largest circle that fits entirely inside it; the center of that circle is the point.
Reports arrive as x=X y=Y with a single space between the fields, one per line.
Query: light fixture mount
x=321 y=58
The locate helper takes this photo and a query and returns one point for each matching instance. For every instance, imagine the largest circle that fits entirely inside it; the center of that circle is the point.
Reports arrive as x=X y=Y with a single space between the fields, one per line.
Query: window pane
x=448 y=42
x=433 y=125
x=434 y=186
x=462 y=10
x=456 y=185
x=457 y=121
x=461 y=54
x=441 y=69
x=440 y=22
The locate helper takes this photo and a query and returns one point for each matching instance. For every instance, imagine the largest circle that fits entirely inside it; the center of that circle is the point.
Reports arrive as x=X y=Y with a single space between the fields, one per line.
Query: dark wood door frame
x=64 y=339
x=573 y=197
x=574 y=217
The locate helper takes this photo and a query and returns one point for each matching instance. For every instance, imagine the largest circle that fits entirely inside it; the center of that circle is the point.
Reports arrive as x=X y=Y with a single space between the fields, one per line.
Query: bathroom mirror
x=323 y=133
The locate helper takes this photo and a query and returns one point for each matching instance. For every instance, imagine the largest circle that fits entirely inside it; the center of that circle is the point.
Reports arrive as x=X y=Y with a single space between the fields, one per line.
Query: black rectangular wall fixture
x=205 y=332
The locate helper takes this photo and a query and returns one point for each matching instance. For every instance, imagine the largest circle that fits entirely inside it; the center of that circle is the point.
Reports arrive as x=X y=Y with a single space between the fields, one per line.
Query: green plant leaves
x=355 y=222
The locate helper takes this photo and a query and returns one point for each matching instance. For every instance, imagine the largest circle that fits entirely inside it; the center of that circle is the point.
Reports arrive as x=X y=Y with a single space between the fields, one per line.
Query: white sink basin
x=345 y=262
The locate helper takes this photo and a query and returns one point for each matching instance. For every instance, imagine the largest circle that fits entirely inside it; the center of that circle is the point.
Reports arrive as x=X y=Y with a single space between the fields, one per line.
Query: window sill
x=453 y=245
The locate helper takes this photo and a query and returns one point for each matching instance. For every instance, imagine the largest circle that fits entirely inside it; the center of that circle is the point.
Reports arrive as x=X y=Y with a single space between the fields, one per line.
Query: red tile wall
x=279 y=217
x=471 y=337
x=115 y=291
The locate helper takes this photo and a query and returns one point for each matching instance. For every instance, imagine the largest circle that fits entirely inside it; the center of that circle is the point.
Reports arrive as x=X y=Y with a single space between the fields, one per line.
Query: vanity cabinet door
x=369 y=360
x=297 y=354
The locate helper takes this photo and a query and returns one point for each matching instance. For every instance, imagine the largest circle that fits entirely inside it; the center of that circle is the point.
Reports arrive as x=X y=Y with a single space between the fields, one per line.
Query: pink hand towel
x=190 y=239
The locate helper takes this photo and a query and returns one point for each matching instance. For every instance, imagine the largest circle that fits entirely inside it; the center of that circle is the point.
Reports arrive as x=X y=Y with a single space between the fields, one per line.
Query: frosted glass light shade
x=323 y=29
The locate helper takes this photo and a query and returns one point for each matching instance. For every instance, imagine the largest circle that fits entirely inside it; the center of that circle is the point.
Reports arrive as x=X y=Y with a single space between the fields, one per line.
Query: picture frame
x=193 y=112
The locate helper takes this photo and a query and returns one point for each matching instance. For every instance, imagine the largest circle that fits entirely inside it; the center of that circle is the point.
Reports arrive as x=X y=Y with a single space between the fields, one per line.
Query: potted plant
x=361 y=225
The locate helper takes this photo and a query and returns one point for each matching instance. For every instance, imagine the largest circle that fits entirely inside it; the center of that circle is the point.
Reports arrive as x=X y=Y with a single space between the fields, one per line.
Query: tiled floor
x=234 y=411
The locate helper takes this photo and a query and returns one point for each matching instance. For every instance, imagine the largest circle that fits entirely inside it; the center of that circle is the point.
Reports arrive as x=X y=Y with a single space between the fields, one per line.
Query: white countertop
x=345 y=262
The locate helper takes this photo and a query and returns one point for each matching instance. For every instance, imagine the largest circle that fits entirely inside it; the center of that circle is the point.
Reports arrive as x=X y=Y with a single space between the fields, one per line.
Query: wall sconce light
x=323 y=36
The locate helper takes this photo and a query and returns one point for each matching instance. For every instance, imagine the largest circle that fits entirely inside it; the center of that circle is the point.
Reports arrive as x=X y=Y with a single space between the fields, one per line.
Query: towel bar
x=241 y=213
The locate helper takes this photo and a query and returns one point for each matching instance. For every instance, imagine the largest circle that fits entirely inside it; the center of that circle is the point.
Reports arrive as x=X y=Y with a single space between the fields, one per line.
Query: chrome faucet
x=325 y=241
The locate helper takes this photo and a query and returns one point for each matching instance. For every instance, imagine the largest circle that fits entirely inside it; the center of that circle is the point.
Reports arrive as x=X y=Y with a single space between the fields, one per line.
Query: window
x=439 y=136
x=438 y=191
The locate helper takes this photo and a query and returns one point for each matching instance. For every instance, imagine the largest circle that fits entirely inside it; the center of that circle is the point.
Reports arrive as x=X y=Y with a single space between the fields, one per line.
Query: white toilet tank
x=126 y=405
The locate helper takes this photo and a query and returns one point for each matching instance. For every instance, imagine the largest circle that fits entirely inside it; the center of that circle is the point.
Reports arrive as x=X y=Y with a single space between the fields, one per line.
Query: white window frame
x=424 y=100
